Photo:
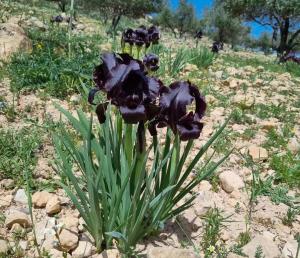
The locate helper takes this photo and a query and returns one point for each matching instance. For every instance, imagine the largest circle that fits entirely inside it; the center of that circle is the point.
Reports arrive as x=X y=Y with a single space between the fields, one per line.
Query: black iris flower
x=124 y=81
x=151 y=62
x=153 y=33
x=57 y=19
x=129 y=36
x=174 y=103
x=142 y=37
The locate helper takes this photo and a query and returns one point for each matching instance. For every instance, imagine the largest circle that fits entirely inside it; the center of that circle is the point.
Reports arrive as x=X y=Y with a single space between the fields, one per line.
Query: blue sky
x=200 y=6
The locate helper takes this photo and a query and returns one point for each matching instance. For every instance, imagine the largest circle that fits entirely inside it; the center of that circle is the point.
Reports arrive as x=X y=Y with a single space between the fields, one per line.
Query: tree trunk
x=62 y=5
x=284 y=33
x=115 y=22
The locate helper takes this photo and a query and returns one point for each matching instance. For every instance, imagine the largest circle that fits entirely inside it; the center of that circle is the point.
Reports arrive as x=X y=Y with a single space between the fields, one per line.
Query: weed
x=290 y=216
x=214 y=222
x=287 y=168
x=56 y=63
x=17 y=152
x=259 y=252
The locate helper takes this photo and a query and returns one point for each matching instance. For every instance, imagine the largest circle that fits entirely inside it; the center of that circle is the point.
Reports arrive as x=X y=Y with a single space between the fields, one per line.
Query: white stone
x=21 y=197
x=3 y=246
x=294 y=145
x=40 y=199
x=17 y=217
x=84 y=249
x=53 y=205
x=168 y=252
x=68 y=240
x=5 y=200
x=269 y=247
x=12 y=39
x=231 y=181
x=258 y=153
x=290 y=249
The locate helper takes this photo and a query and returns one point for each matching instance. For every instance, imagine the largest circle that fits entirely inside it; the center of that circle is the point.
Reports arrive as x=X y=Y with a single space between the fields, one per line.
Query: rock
x=232 y=255
x=21 y=197
x=17 y=217
x=68 y=240
x=53 y=205
x=75 y=99
x=244 y=100
x=258 y=153
x=12 y=39
x=71 y=223
x=294 y=145
x=113 y=253
x=219 y=75
x=40 y=199
x=290 y=249
x=231 y=181
x=189 y=68
x=80 y=26
x=267 y=244
x=57 y=254
x=210 y=99
x=3 y=246
x=167 y=252
x=269 y=124
x=35 y=22
x=105 y=47
x=205 y=185
x=84 y=249
x=7 y=183
x=5 y=200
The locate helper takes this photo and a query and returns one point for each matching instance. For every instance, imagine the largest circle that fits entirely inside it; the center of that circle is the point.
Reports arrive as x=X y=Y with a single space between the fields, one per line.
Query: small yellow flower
x=39 y=46
x=211 y=249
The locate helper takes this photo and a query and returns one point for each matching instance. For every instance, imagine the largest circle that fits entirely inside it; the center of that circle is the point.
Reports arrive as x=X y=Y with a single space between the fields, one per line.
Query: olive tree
x=116 y=9
x=181 y=21
x=223 y=27
x=283 y=16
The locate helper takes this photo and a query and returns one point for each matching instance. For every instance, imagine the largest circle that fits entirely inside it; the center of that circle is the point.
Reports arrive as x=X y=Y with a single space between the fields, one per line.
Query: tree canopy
x=223 y=27
x=283 y=16
x=181 y=21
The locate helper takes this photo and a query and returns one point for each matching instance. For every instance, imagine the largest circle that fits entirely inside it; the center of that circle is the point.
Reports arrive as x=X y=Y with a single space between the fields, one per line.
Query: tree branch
x=294 y=36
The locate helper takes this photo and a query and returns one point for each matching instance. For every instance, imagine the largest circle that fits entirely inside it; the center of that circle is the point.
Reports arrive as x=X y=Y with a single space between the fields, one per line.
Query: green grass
x=50 y=66
x=18 y=152
x=272 y=66
x=201 y=57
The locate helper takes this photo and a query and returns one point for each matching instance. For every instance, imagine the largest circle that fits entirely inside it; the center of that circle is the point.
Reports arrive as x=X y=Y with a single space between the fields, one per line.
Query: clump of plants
x=124 y=181
x=56 y=64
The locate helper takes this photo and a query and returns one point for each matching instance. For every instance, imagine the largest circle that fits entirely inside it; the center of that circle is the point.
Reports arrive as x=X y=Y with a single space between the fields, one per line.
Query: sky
x=200 y=6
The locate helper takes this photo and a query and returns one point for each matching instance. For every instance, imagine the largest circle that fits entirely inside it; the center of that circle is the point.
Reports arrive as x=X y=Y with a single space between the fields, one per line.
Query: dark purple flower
x=199 y=35
x=174 y=102
x=142 y=36
x=153 y=33
x=217 y=46
x=151 y=62
x=129 y=36
x=57 y=19
x=124 y=81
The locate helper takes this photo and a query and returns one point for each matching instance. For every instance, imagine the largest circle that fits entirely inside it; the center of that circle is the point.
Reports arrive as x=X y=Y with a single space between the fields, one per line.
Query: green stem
x=128 y=143
x=70 y=26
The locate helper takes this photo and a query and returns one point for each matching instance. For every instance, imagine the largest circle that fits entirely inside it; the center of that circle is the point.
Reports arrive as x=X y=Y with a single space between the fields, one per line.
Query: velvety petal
x=189 y=132
x=100 y=111
x=174 y=102
x=155 y=85
x=134 y=115
x=154 y=35
x=91 y=96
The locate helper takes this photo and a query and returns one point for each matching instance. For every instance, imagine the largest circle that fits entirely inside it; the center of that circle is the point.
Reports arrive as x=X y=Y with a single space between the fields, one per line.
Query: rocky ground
x=264 y=103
